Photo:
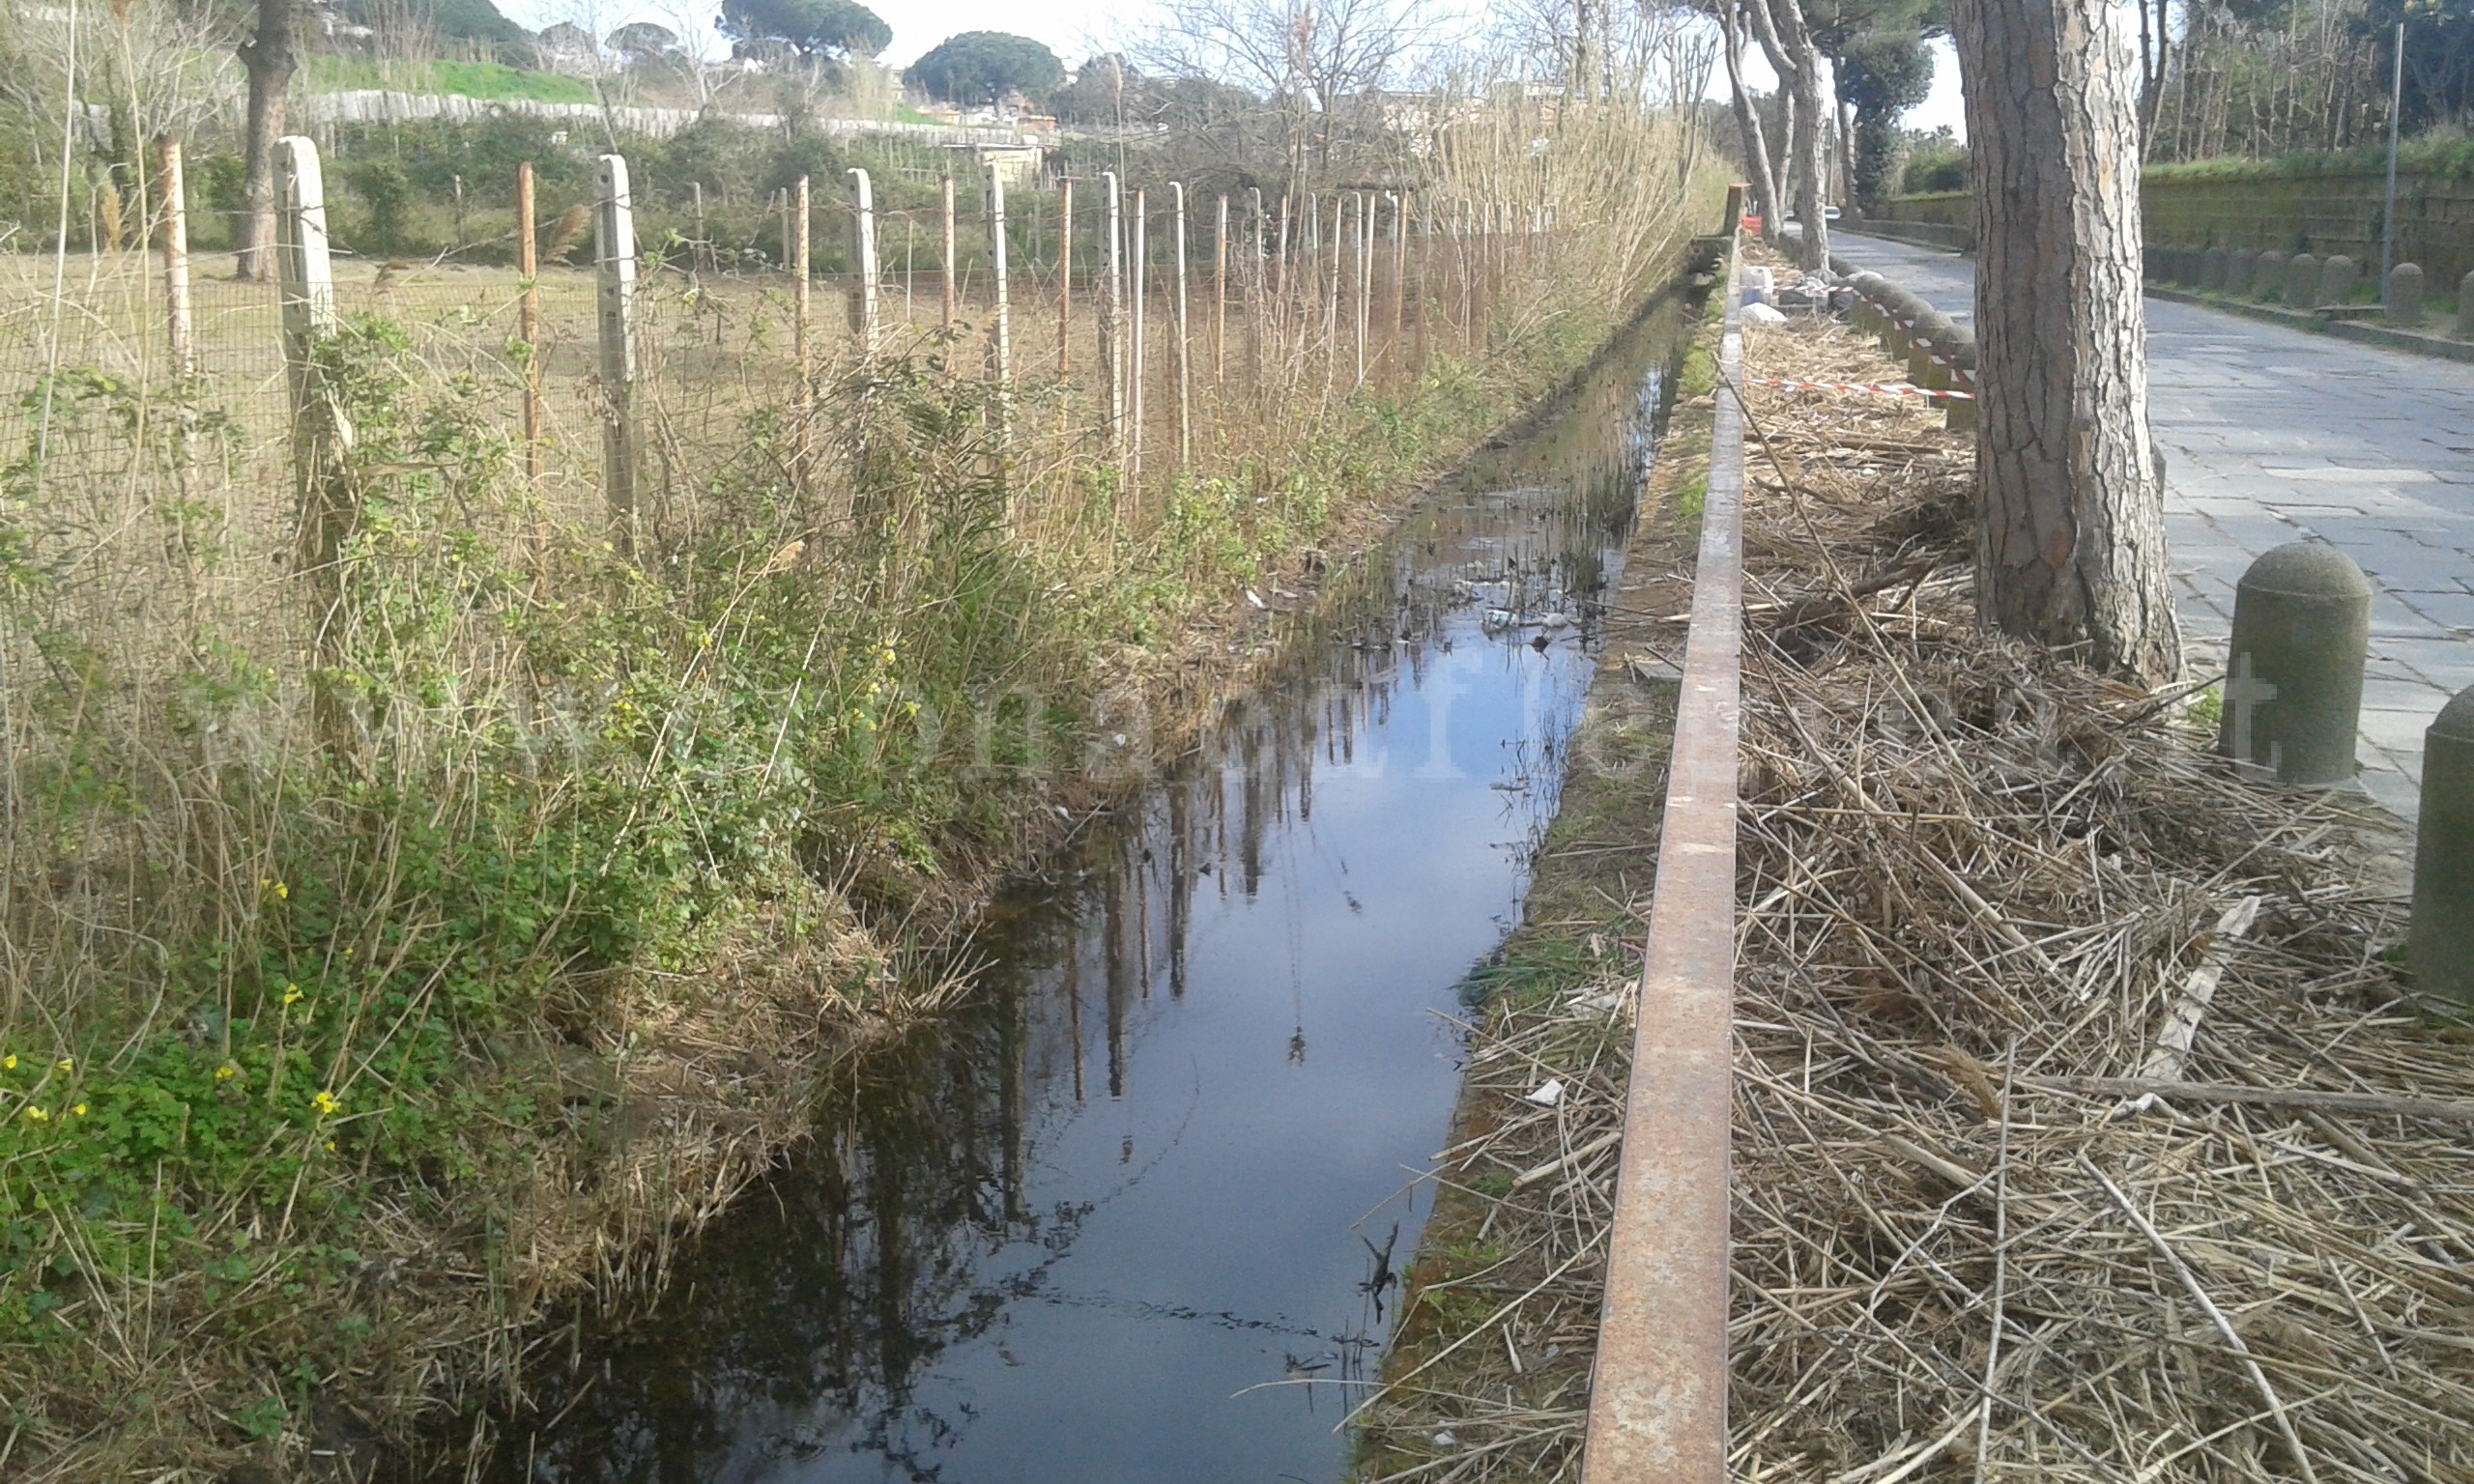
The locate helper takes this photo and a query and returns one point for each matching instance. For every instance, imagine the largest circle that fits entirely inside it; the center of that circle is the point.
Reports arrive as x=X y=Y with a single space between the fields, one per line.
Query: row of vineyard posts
x=1342 y=286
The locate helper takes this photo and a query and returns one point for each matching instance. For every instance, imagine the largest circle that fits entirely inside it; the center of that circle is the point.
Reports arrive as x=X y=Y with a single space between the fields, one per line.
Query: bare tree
x=1788 y=43
x=2070 y=549
x=1756 y=149
x=270 y=57
x=1308 y=59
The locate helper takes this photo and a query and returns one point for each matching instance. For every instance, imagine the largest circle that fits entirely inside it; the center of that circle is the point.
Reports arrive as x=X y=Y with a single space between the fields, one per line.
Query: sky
x=1076 y=28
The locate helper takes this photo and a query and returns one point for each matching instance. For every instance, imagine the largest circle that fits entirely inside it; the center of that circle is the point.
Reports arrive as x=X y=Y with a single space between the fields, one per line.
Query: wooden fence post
x=1280 y=274
x=1064 y=276
x=614 y=256
x=1184 y=368
x=176 y=258
x=951 y=286
x=527 y=333
x=863 y=260
x=702 y=256
x=1111 y=343
x=801 y=254
x=320 y=439
x=1254 y=286
x=1003 y=327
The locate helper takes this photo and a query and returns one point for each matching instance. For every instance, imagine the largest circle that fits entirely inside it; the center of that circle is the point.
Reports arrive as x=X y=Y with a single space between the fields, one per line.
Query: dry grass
x=179 y=857
x=1974 y=881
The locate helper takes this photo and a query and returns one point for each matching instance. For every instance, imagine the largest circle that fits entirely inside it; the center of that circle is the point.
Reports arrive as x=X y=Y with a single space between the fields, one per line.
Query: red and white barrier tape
x=1894 y=391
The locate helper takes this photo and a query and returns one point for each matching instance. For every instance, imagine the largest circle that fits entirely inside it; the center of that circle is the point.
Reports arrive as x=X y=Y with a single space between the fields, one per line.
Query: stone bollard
x=2293 y=684
x=2238 y=267
x=2336 y=278
x=2212 y=270
x=2267 y=276
x=2151 y=262
x=2403 y=299
x=2466 y=306
x=1959 y=413
x=2439 y=944
x=2302 y=281
x=1933 y=336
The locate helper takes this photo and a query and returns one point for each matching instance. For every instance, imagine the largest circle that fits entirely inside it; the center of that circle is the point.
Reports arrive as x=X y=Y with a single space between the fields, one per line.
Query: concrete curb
x=2410 y=341
x=2441 y=347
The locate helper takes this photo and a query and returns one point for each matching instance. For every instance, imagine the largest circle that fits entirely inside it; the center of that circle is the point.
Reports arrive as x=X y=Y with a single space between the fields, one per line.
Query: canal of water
x=1137 y=1212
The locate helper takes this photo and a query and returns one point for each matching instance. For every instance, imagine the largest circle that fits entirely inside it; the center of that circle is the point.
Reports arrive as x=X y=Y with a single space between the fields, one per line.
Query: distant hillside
x=476 y=23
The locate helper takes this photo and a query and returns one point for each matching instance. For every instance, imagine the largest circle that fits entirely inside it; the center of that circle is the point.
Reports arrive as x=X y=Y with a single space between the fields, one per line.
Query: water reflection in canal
x=1132 y=1216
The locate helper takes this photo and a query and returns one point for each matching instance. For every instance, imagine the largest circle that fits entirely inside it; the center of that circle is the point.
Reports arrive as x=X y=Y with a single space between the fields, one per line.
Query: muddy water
x=1134 y=1215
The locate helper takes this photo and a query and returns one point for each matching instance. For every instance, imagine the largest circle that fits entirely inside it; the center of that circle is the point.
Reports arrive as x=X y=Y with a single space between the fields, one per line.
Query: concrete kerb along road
x=2273 y=435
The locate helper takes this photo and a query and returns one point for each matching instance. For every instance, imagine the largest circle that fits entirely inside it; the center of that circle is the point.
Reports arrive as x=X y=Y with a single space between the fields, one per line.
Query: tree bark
x=1788 y=43
x=1756 y=149
x=270 y=58
x=2070 y=547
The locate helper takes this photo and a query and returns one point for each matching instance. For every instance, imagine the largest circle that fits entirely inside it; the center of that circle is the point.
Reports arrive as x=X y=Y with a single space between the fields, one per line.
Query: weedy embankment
x=409 y=931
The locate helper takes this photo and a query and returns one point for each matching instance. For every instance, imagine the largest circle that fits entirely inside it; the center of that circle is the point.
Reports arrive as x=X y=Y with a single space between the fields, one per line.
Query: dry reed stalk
x=1975 y=883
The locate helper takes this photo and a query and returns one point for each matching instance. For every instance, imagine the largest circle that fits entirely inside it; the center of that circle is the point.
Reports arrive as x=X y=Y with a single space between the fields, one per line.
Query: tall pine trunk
x=2070 y=549
x=1812 y=161
x=269 y=58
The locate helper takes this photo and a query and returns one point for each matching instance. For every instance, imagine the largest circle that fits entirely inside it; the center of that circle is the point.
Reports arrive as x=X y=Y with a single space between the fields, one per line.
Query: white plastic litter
x=1763 y=314
x=1550 y=1095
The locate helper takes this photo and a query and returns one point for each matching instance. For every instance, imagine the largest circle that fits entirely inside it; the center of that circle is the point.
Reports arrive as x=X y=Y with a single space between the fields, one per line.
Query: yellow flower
x=79 y=1110
x=68 y=1062
x=283 y=892
x=8 y=1063
x=226 y=1072
x=35 y=1115
x=291 y=995
x=326 y=1104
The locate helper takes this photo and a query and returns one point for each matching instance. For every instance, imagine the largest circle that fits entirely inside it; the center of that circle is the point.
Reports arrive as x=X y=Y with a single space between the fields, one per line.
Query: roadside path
x=2272 y=434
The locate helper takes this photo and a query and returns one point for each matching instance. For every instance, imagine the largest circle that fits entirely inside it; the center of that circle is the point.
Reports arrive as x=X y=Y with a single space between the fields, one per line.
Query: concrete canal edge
x=1658 y=1405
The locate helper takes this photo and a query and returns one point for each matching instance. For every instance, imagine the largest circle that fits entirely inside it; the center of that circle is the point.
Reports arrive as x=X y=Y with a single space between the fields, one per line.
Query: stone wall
x=2335 y=212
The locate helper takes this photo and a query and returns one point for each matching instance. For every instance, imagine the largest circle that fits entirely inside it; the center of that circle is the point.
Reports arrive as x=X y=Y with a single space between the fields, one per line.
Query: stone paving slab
x=2271 y=435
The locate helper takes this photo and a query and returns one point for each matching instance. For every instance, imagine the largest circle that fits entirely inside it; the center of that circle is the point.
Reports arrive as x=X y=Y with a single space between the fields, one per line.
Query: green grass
x=2442 y=151
x=492 y=81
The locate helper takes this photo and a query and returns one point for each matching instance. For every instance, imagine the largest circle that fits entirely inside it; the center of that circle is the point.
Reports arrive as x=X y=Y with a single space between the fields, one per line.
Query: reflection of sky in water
x=1055 y=1241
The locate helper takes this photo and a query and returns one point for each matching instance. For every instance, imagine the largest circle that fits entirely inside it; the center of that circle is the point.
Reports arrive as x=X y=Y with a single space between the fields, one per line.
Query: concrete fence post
x=2268 y=274
x=176 y=259
x=945 y=259
x=1064 y=276
x=2212 y=270
x=320 y=438
x=1220 y=293
x=1184 y=360
x=1001 y=312
x=2402 y=298
x=2439 y=943
x=802 y=253
x=1112 y=310
x=615 y=275
x=1139 y=230
x=2466 y=306
x=863 y=260
x=2293 y=697
x=2302 y=280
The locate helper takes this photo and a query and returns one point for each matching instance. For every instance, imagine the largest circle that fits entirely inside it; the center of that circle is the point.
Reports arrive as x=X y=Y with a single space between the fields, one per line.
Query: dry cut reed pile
x=1982 y=890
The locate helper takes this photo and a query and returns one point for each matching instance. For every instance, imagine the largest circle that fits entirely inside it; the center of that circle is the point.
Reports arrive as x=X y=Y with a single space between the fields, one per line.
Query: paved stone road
x=2272 y=434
